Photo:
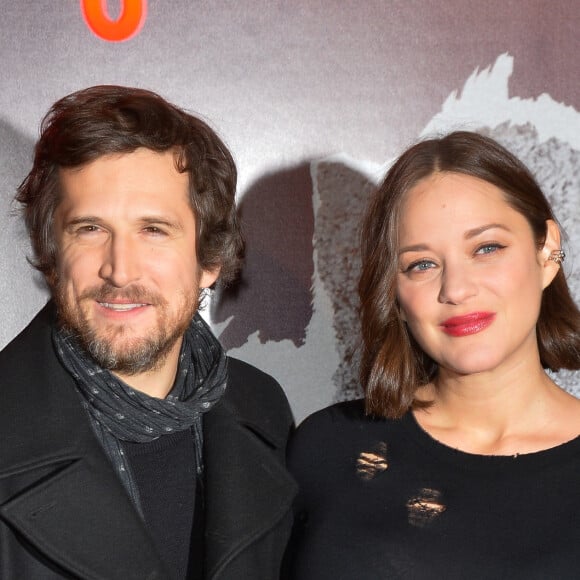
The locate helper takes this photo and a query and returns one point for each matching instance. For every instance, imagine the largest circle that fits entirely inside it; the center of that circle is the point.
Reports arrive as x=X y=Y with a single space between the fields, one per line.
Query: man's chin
x=129 y=356
x=122 y=348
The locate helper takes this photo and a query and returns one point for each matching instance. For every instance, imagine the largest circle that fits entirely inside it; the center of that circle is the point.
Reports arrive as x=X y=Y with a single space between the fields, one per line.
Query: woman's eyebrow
x=476 y=231
x=472 y=233
x=413 y=248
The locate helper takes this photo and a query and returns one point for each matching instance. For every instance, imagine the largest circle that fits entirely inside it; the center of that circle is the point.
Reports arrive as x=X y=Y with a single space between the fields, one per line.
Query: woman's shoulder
x=338 y=418
x=336 y=430
x=339 y=413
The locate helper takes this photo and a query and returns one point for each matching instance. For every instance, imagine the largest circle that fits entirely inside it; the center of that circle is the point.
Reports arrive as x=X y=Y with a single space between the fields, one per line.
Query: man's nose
x=120 y=265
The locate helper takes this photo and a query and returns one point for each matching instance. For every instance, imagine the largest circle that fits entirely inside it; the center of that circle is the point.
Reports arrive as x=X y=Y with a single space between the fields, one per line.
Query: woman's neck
x=517 y=411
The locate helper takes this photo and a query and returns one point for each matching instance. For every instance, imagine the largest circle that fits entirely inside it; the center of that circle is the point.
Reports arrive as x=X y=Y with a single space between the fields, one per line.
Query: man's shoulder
x=245 y=375
x=31 y=375
x=32 y=343
x=246 y=381
x=39 y=409
x=257 y=398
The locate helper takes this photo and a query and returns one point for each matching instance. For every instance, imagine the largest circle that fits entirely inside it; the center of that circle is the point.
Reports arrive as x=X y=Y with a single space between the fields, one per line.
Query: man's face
x=127 y=277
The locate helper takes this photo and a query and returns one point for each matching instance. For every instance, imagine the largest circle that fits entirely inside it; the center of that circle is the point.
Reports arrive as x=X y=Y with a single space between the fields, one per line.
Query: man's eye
x=154 y=230
x=87 y=229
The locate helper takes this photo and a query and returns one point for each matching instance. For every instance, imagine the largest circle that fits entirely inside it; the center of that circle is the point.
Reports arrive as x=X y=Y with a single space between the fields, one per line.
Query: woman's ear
x=551 y=256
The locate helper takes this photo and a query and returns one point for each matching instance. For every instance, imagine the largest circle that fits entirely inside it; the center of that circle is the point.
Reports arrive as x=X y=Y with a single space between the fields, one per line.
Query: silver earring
x=557 y=256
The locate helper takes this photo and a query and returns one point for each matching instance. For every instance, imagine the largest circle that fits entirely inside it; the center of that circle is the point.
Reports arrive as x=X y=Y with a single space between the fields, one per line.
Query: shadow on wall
x=273 y=295
x=22 y=289
x=16 y=152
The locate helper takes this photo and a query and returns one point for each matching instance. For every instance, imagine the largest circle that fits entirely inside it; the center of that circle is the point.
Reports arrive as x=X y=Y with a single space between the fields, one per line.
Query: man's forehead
x=175 y=154
x=141 y=179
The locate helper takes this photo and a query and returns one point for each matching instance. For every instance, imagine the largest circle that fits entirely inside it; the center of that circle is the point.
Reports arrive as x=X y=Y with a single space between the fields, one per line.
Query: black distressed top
x=382 y=499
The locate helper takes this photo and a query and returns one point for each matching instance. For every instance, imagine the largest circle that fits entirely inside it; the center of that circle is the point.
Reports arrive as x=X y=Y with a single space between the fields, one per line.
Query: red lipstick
x=467 y=324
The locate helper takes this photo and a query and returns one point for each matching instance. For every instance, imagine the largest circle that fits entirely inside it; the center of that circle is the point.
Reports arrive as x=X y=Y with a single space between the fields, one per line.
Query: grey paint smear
x=556 y=166
x=343 y=193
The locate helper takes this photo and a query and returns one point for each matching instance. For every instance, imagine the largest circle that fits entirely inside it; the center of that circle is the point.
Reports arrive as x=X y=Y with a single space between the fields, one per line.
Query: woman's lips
x=467 y=324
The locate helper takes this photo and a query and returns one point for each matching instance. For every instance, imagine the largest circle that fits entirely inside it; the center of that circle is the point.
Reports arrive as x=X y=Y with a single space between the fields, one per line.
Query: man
x=131 y=446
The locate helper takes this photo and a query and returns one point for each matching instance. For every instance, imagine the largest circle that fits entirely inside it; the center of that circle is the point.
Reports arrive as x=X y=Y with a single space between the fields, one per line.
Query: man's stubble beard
x=105 y=345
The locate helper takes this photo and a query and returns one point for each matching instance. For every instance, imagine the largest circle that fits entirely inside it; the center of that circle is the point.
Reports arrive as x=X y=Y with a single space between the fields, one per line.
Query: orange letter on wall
x=129 y=23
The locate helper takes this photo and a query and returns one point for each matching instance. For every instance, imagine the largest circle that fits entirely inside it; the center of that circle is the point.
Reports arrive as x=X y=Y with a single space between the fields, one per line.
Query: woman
x=463 y=460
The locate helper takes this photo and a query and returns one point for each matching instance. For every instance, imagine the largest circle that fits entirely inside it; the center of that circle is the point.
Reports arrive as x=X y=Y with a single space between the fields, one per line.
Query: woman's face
x=470 y=276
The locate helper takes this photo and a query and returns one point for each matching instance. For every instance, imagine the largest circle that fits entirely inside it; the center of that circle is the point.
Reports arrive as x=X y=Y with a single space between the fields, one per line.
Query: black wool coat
x=63 y=511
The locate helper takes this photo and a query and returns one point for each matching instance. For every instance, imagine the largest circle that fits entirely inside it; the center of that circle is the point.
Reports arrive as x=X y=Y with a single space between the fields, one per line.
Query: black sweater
x=383 y=499
x=165 y=474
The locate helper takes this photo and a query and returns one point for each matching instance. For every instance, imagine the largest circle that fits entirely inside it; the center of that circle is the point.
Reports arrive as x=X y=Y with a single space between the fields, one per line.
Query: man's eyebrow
x=82 y=219
x=469 y=234
x=161 y=221
x=146 y=220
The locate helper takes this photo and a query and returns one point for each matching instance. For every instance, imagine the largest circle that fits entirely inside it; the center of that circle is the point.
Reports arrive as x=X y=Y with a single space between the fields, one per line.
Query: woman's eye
x=489 y=248
x=420 y=266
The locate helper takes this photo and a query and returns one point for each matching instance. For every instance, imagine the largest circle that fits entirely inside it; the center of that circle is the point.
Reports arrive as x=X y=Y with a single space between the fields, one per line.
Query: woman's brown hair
x=393 y=366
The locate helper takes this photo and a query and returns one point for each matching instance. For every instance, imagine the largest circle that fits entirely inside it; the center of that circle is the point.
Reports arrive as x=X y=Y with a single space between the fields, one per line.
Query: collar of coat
x=58 y=490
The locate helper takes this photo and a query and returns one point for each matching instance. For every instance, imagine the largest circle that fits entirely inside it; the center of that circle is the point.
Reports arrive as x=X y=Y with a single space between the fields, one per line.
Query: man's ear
x=209 y=277
x=551 y=245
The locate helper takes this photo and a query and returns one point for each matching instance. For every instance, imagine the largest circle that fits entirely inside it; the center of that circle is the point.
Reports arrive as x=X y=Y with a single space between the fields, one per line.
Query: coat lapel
x=58 y=491
x=247 y=490
x=81 y=519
